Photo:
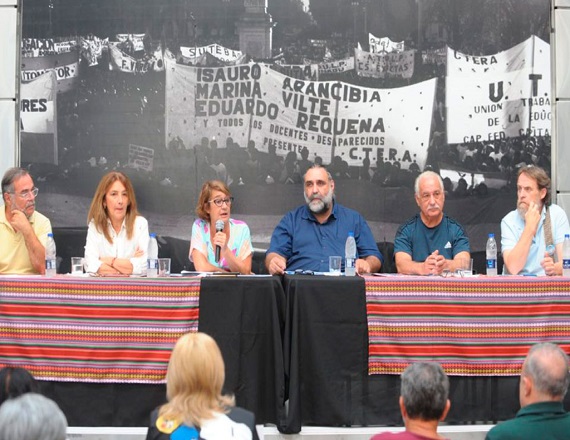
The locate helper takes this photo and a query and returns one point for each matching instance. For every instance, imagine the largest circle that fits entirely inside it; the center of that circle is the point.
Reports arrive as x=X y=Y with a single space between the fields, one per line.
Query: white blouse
x=97 y=246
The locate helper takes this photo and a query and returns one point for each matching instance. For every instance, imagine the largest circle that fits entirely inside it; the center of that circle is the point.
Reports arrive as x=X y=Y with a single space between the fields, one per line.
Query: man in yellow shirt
x=23 y=231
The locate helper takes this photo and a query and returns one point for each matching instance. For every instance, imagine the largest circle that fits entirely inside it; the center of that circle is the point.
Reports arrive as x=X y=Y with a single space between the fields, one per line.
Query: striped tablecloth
x=472 y=326
x=95 y=329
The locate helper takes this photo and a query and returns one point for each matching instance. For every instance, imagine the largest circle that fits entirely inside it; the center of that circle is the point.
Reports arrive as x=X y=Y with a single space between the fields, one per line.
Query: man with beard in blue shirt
x=306 y=236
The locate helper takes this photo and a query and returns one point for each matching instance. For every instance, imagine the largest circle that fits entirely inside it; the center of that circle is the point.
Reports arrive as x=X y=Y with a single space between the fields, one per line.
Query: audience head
x=424 y=392
x=32 y=416
x=319 y=189
x=114 y=200
x=194 y=380
x=533 y=185
x=214 y=201
x=15 y=381
x=18 y=191
x=430 y=196
x=545 y=375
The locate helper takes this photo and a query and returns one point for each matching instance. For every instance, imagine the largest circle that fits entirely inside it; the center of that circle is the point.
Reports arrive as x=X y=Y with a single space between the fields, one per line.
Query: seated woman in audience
x=117 y=237
x=196 y=407
x=15 y=381
x=234 y=240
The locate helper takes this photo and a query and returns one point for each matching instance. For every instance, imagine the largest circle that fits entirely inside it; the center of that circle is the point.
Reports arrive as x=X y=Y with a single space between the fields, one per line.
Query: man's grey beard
x=320 y=205
x=523 y=209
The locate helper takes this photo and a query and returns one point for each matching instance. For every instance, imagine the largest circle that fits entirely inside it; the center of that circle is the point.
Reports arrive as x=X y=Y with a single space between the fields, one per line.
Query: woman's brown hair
x=206 y=193
x=98 y=211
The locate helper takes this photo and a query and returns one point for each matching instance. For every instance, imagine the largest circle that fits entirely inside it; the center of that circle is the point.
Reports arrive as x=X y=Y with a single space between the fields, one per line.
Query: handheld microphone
x=219 y=228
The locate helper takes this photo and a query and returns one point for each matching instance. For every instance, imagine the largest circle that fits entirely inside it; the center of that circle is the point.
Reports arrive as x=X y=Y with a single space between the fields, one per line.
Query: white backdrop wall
x=8 y=82
x=561 y=141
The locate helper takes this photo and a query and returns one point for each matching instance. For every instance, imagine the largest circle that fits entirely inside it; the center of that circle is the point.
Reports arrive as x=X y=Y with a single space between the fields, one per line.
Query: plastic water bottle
x=350 y=255
x=51 y=258
x=152 y=267
x=566 y=256
x=491 y=250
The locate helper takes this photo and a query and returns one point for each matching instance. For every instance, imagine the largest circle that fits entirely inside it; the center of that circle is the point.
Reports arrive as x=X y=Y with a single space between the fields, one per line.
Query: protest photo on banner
x=254 y=92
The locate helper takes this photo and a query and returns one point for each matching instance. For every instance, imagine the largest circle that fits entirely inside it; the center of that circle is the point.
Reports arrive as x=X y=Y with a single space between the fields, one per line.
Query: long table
x=327 y=343
x=299 y=339
x=100 y=346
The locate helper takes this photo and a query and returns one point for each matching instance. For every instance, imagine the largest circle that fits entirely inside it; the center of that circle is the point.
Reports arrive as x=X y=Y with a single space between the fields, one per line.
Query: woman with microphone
x=219 y=243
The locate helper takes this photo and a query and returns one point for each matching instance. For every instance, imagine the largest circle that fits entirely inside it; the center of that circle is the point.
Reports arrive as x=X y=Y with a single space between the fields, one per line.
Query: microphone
x=219 y=228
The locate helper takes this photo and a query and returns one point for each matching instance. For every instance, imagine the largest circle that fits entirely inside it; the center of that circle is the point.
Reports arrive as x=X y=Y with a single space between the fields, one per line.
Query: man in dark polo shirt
x=543 y=385
x=430 y=242
x=306 y=237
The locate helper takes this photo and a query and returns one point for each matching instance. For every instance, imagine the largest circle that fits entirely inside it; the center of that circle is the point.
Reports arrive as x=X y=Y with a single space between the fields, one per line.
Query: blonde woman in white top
x=117 y=236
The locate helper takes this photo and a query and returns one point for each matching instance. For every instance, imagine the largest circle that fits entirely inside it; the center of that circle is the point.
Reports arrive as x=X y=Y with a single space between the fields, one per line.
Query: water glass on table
x=76 y=265
x=164 y=267
x=465 y=268
x=335 y=263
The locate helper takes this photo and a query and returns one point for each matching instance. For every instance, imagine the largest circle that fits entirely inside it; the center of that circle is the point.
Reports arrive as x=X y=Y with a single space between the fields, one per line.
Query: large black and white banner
x=328 y=118
x=174 y=93
x=498 y=96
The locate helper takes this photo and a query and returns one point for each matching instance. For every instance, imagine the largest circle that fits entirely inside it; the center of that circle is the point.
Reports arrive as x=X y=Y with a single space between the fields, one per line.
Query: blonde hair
x=194 y=381
x=98 y=211
x=206 y=193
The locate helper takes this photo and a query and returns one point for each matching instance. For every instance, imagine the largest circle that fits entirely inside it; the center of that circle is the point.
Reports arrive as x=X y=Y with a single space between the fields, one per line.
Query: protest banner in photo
x=384 y=45
x=220 y=52
x=338 y=66
x=91 y=48
x=39 y=47
x=136 y=41
x=329 y=118
x=298 y=71
x=65 y=66
x=434 y=56
x=499 y=96
x=389 y=65
x=38 y=122
x=141 y=158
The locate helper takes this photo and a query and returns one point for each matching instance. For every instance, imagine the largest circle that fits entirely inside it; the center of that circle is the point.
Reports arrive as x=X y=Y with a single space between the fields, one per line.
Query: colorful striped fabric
x=472 y=326
x=95 y=329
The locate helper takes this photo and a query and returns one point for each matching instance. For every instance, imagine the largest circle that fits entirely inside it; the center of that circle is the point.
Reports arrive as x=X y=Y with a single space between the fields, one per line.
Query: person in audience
x=23 y=230
x=117 y=236
x=234 y=239
x=32 y=416
x=423 y=402
x=543 y=385
x=533 y=234
x=306 y=236
x=431 y=241
x=15 y=381
x=196 y=405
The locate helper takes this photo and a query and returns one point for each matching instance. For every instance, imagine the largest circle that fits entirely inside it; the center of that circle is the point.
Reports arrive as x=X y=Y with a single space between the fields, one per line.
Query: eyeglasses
x=219 y=202
x=28 y=194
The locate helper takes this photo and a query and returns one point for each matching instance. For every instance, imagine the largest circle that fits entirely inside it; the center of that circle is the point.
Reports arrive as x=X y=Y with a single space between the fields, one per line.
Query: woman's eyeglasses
x=219 y=202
